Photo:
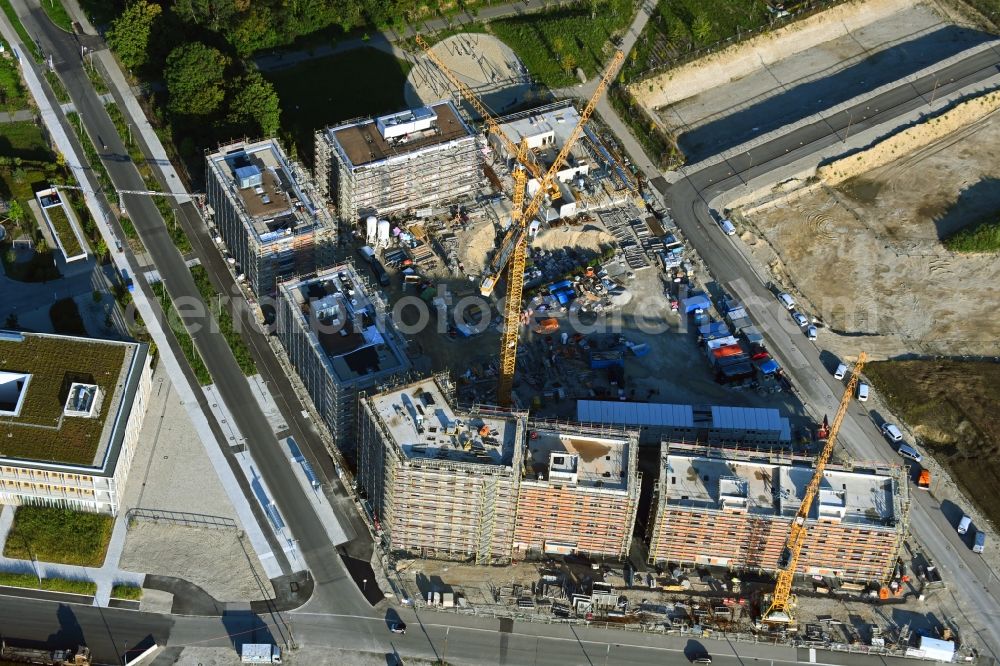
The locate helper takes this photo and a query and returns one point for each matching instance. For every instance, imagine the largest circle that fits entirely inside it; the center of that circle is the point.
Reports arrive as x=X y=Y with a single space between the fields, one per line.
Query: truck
x=924 y=480
x=260 y=653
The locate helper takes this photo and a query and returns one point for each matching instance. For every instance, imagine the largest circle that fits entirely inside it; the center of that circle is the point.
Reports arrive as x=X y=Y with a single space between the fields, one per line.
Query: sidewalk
x=17 y=117
x=106 y=576
x=154 y=325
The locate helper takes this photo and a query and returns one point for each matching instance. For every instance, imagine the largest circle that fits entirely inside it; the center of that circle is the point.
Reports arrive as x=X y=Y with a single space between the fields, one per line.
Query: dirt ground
x=176 y=550
x=867 y=258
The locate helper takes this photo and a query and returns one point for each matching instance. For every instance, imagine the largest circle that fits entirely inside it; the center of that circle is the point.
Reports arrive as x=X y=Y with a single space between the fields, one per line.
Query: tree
x=15 y=211
x=255 y=105
x=129 y=33
x=195 y=75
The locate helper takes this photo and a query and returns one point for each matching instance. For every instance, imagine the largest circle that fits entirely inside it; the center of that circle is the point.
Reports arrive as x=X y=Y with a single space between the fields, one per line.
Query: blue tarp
x=564 y=296
x=556 y=286
x=695 y=302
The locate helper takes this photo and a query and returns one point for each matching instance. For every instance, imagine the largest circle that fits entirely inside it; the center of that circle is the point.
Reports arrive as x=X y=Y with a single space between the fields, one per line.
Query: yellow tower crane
x=780 y=610
x=515 y=277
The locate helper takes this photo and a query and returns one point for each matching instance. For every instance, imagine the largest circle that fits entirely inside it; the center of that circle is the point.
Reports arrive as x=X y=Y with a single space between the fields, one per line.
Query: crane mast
x=780 y=611
x=515 y=278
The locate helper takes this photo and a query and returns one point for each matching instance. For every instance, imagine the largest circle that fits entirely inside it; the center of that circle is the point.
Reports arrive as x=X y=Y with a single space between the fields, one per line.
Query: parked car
x=727 y=227
x=908 y=451
x=811 y=332
x=703 y=658
x=398 y=627
x=891 y=432
x=863 y=391
x=979 y=545
x=840 y=371
x=787 y=301
x=964 y=524
x=800 y=319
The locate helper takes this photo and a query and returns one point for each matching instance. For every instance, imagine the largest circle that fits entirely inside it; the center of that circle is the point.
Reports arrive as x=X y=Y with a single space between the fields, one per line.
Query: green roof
x=41 y=432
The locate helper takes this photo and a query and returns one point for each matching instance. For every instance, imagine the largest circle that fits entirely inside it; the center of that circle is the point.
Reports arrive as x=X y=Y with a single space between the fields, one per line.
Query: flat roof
x=42 y=432
x=363 y=144
x=424 y=425
x=592 y=461
x=340 y=315
x=714 y=418
x=731 y=480
x=281 y=201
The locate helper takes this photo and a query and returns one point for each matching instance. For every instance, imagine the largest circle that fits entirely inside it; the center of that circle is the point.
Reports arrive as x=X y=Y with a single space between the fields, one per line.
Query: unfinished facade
x=269 y=213
x=334 y=328
x=580 y=492
x=405 y=162
x=734 y=509
x=441 y=481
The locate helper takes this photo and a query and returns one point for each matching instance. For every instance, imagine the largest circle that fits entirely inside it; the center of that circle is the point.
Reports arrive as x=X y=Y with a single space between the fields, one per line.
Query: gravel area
x=202 y=656
x=213 y=559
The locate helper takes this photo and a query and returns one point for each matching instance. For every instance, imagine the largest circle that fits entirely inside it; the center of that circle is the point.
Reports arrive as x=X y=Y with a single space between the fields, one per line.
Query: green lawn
x=225 y=319
x=362 y=82
x=56 y=12
x=977 y=238
x=13 y=95
x=60 y=221
x=26 y=141
x=84 y=587
x=50 y=534
x=173 y=321
x=554 y=44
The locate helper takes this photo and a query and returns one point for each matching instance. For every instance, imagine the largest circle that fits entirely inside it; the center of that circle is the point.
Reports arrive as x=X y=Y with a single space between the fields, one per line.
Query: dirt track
x=867 y=256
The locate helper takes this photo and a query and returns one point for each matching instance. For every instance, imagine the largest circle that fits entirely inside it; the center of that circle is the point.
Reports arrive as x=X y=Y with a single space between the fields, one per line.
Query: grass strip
x=63 y=229
x=225 y=319
x=184 y=340
x=29 y=43
x=657 y=144
x=93 y=158
x=62 y=96
x=978 y=238
x=29 y=581
x=56 y=12
x=125 y=591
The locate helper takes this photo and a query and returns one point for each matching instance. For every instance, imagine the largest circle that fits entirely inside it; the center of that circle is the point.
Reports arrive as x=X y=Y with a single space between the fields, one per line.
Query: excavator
x=780 y=610
x=513 y=248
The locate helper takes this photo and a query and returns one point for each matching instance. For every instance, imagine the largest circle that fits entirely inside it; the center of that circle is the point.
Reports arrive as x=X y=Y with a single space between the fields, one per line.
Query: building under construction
x=487 y=485
x=268 y=213
x=580 y=492
x=441 y=481
x=338 y=337
x=730 y=508
x=410 y=162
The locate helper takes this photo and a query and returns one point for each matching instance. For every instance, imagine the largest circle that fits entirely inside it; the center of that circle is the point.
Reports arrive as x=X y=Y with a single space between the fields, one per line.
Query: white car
x=811 y=332
x=727 y=227
x=787 y=301
x=863 y=390
x=840 y=371
x=891 y=432
x=800 y=319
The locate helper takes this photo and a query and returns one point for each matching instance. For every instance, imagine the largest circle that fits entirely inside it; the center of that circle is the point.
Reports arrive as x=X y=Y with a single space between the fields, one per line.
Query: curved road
x=974 y=584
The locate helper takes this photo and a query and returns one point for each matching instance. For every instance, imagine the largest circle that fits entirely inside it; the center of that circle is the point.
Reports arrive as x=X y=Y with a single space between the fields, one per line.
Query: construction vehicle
x=780 y=610
x=924 y=480
x=515 y=244
x=18 y=655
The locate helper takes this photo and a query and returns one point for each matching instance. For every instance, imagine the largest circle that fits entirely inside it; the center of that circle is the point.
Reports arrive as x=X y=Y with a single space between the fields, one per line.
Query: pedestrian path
x=17 y=117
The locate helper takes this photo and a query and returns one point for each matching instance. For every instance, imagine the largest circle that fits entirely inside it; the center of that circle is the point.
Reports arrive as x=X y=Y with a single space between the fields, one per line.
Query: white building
x=70 y=414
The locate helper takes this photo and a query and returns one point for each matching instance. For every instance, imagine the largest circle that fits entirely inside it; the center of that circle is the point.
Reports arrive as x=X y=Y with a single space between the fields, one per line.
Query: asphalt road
x=968 y=577
x=313 y=543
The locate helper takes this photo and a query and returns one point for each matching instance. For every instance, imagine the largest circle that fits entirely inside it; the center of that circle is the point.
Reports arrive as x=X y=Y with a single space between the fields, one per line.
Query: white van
x=840 y=372
x=862 y=392
x=908 y=451
x=964 y=524
x=727 y=227
x=786 y=300
x=891 y=432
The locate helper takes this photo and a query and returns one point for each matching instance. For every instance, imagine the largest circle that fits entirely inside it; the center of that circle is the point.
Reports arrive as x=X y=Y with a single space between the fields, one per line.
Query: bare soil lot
x=951 y=408
x=867 y=255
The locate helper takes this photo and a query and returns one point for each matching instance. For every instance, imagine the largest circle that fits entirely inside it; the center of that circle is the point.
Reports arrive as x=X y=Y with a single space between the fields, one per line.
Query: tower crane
x=780 y=610
x=515 y=277
x=491 y=124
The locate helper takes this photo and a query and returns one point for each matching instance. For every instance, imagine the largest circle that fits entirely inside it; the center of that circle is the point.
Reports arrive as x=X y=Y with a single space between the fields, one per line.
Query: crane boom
x=515 y=279
x=779 y=611
x=491 y=124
